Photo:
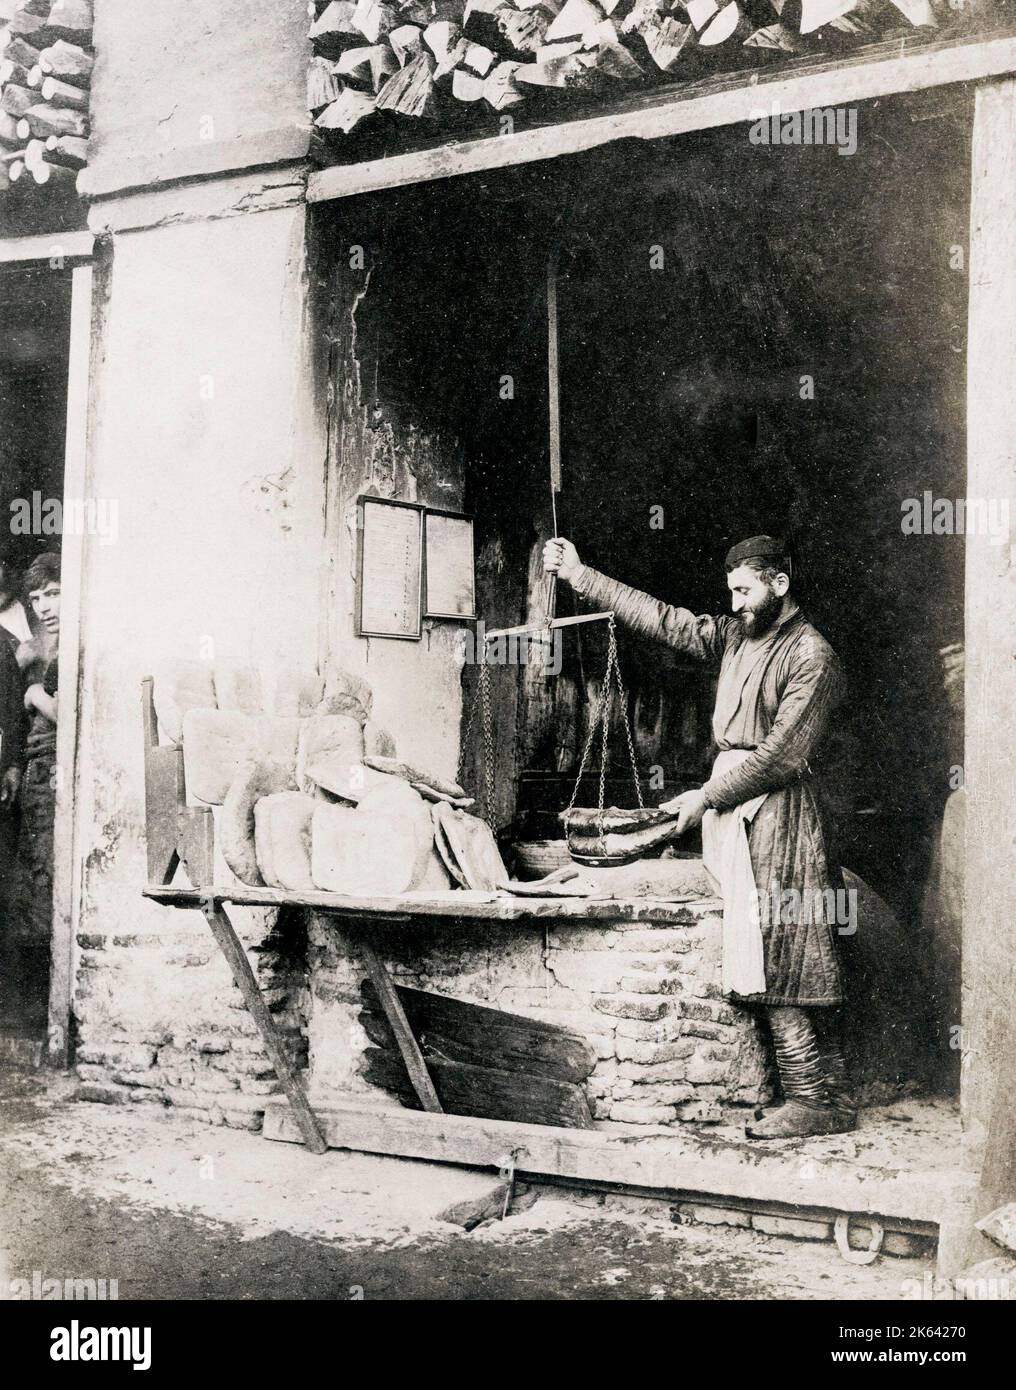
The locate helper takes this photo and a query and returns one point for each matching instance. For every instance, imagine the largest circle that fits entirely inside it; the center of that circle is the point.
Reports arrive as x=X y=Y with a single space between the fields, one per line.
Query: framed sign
x=389 y=599
x=448 y=551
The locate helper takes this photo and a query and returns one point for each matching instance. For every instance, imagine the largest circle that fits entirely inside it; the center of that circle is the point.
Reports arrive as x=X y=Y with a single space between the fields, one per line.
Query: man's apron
x=727 y=860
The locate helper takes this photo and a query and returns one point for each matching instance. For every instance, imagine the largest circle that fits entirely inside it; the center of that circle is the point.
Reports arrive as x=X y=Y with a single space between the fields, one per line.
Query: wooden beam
x=67 y=869
x=236 y=958
x=878 y=71
x=68 y=246
x=989 y=762
x=459 y=905
x=670 y=1161
x=396 y=1014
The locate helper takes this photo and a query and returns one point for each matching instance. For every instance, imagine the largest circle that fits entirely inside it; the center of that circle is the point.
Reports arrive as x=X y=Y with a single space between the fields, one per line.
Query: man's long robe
x=774 y=697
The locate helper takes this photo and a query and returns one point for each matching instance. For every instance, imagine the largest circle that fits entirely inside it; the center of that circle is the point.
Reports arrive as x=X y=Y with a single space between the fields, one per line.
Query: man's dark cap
x=756 y=548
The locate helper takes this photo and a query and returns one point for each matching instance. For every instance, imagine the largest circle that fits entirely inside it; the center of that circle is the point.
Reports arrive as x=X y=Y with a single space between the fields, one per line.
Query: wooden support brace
x=236 y=957
x=396 y=1015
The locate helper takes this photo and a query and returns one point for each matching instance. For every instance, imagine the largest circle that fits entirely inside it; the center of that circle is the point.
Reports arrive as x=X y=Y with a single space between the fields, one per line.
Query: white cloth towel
x=727 y=860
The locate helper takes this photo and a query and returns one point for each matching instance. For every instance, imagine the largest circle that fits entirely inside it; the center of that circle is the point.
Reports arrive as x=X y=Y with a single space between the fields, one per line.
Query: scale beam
x=544 y=627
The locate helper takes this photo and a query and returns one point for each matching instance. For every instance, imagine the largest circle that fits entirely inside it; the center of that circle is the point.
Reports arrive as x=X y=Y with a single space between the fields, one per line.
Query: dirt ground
x=174 y=1209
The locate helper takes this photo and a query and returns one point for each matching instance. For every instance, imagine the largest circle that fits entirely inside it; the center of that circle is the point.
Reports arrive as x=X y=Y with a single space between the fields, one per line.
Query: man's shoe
x=793 y=1120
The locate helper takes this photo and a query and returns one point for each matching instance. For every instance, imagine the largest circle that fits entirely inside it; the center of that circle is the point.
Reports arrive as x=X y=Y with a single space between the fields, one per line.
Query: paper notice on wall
x=451 y=589
x=391 y=569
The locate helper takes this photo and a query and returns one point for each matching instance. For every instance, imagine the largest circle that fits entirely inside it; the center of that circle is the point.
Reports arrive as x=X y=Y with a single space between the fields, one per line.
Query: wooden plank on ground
x=484 y=1091
x=465 y=1032
x=657 y=1161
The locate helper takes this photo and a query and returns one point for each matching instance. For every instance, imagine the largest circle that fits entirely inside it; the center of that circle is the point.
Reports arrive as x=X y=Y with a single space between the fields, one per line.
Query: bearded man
x=764 y=835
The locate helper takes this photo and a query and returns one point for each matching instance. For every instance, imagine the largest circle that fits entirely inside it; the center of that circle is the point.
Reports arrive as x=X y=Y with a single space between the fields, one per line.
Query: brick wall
x=647 y=997
x=161 y=1022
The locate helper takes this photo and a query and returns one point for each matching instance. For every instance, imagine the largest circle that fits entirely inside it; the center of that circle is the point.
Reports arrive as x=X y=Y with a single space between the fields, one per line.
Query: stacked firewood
x=425 y=57
x=46 y=60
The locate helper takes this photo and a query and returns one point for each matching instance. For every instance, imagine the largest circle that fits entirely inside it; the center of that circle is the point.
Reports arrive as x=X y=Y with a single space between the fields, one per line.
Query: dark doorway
x=35 y=304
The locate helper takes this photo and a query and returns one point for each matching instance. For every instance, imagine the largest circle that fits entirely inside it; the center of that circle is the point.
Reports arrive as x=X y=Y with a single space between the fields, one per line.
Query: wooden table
x=369 y=916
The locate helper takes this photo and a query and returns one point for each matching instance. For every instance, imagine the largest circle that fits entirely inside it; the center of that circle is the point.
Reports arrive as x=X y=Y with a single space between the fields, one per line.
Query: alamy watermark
x=929 y=515
x=66 y=516
x=528 y=648
x=833 y=907
x=821 y=125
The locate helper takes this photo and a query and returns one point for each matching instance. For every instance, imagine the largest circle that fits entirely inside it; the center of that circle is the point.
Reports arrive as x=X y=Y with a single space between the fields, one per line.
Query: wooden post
x=236 y=957
x=67 y=869
x=989 y=933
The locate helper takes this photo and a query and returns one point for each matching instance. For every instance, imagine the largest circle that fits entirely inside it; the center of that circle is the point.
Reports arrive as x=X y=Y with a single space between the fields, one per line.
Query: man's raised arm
x=700 y=636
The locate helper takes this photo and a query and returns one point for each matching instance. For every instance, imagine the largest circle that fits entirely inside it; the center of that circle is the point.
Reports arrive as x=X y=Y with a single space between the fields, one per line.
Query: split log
x=816 y=13
x=482 y=1091
x=867 y=17
x=773 y=36
x=665 y=38
x=323 y=85
x=70 y=150
x=613 y=59
x=368 y=66
x=67 y=61
x=405 y=42
x=452 y=59
x=480 y=20
x=558 y=72
x=575 y=18
x=347 y=111
x=63 y=94
x=8 y=129
x=35 y=152
x=5 y=178
x=441 y=37
x=374 y=20
x=499 y=88
x=42 y=119
x=701 y=12
x=551 y=51
x=478 y=58
x=728 y=26
x=334 y=31
x=17 y=169
x=485 y=1036
x=466 y=86
x=919 y=12
x=524 y=30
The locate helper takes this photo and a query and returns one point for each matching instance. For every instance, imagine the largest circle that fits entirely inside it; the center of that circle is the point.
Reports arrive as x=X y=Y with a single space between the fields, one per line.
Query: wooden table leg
x=396 y=1014
x=231 y=947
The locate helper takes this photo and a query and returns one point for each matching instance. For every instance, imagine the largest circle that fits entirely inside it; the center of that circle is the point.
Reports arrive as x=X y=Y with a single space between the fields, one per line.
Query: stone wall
x=163 y=1023
x=646 y=995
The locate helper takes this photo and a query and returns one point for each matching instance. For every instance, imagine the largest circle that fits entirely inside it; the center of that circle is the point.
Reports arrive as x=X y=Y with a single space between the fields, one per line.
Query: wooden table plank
x=232 y=948
x=452 y=906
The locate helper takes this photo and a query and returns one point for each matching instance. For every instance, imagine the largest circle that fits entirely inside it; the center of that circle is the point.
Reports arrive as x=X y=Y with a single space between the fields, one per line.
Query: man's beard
x=757 y=623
